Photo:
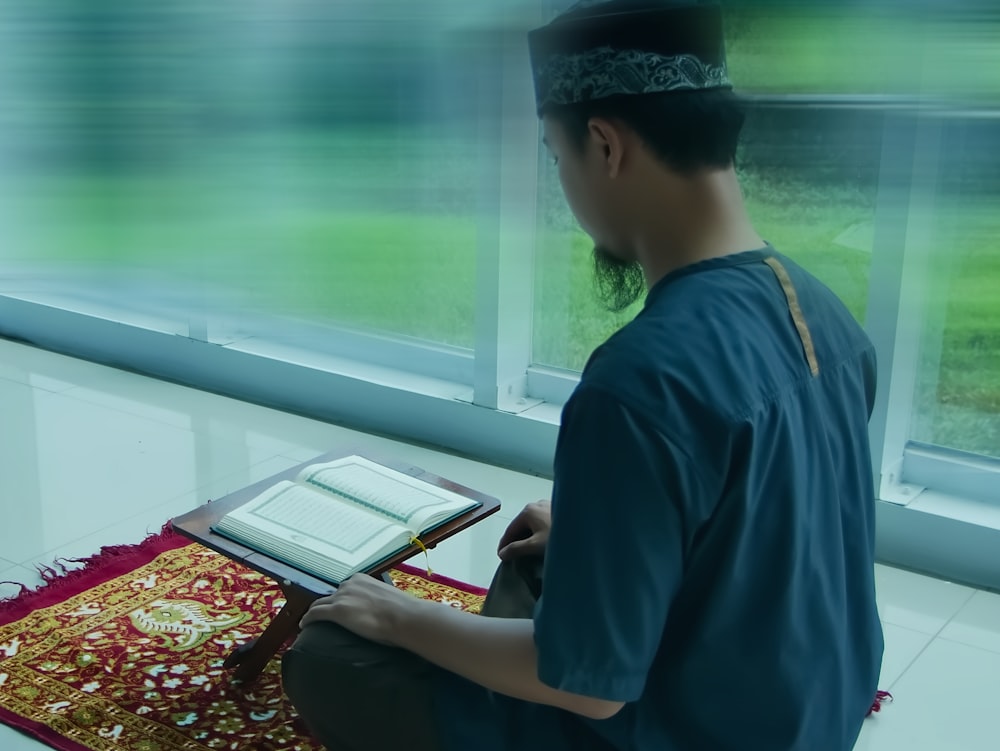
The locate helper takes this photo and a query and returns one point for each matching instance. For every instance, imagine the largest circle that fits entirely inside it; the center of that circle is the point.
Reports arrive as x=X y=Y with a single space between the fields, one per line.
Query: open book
x=342 y=517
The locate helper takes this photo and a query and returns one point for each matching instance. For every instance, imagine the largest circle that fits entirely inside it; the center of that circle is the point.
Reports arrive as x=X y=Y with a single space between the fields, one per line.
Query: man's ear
x=609 y=138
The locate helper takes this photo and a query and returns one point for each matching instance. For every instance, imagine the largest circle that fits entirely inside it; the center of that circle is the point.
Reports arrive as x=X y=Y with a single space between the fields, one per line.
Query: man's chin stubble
x=618 y=283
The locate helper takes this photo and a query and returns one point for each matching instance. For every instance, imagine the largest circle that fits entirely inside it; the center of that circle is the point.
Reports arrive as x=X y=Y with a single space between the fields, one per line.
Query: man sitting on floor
x=707 y=581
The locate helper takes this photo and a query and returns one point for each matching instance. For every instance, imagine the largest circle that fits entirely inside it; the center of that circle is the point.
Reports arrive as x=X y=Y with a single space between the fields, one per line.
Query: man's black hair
x=687 y=130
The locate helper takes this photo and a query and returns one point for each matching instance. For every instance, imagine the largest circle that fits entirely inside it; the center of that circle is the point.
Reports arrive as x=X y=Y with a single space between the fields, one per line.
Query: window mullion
x=900 y=275
x=506 y=236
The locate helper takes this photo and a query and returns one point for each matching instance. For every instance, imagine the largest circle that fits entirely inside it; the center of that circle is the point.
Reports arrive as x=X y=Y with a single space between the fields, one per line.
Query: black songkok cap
x=603 y=48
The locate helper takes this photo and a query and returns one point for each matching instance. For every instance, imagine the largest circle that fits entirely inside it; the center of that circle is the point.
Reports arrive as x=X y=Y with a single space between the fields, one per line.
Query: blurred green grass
x=849 y=48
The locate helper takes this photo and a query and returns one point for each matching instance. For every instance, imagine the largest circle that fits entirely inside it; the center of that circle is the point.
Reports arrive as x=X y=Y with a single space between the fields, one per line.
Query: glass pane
x=871 y=47
x=810 y=178
x=957 y=401
x=809 y=175
x=309 y=159
x=569 y=322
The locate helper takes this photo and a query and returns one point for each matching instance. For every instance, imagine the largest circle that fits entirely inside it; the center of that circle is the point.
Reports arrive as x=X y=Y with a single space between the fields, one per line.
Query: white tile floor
x=92 y=456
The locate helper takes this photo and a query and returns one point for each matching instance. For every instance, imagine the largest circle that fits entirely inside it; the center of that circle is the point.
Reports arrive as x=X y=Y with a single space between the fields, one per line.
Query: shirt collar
x=710 y=264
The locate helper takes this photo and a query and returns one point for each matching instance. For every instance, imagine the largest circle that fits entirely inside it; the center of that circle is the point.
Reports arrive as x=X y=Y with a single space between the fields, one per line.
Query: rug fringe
x=107 y=553
x=111 y=561
x=881 y=697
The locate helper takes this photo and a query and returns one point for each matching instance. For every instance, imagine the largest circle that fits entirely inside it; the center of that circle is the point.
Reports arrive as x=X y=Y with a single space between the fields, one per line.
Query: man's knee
x=515 y=589
x=313 y=669
x=326 y=661
x=327 y=642
x=341 y=685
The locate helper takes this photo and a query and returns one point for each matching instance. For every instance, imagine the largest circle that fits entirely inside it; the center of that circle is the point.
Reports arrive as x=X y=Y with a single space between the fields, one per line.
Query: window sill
x=941 y=535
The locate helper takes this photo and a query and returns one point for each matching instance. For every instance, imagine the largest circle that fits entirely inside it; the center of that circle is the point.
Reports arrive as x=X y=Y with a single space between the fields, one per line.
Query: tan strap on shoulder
x=793 y=307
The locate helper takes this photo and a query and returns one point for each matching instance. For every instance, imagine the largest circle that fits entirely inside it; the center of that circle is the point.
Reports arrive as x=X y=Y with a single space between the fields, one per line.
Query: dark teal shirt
x=711 y=556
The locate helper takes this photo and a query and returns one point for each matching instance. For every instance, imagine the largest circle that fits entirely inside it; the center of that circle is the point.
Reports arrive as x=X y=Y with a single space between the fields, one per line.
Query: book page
x=312 y=519
x=314 y=531
x=406 y=500
x=302 y=511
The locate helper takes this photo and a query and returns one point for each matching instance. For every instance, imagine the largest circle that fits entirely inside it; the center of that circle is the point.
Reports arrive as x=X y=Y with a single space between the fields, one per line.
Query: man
x=708 y=576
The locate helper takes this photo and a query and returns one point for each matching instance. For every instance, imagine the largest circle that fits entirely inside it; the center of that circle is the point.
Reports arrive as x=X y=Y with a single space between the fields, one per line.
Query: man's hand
x=367 y=606
x=528 y=533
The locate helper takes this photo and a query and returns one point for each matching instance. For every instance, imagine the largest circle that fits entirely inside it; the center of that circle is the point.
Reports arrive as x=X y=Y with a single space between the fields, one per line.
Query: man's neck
x=707 y=219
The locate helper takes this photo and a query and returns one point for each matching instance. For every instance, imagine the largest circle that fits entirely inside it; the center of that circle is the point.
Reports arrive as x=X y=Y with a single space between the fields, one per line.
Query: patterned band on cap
x=604 y=72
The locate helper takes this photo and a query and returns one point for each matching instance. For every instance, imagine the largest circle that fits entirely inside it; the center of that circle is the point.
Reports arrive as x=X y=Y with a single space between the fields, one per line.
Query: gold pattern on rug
x=135 y=663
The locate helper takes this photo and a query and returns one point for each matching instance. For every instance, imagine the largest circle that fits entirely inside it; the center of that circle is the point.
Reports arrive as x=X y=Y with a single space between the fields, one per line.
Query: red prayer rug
x=126 y=653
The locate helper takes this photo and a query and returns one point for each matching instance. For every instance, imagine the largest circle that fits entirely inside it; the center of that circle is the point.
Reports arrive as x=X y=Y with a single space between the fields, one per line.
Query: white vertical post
x=506 y=230
x=898 y=285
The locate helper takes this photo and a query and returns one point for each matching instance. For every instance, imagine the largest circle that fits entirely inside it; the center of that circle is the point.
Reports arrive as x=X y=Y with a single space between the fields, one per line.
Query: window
x=305 y=160
x=352 y=200
x=957 y=392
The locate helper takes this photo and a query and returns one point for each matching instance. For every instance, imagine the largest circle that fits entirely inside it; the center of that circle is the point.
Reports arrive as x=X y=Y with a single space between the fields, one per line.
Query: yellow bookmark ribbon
x=414 y=540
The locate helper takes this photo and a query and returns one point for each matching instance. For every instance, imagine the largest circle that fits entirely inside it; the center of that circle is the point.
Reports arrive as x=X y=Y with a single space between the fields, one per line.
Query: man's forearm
x=498 y=653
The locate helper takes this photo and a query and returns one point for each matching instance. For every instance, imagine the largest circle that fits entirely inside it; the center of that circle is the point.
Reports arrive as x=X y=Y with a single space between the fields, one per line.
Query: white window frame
x=506 y=238
x=898 y=318
x=898 y=282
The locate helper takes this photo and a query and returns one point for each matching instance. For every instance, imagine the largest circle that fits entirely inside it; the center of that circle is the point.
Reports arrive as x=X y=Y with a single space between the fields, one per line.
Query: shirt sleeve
x=614 y=559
